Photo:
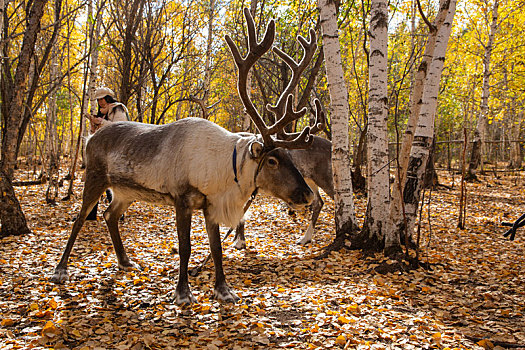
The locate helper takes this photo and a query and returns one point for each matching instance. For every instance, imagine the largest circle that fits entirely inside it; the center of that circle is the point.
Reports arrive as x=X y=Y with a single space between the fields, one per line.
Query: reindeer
x=196 y=164
x=315 y=164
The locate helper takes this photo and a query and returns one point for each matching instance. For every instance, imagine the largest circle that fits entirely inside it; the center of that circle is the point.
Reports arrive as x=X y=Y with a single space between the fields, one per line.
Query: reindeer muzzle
x=301 y=197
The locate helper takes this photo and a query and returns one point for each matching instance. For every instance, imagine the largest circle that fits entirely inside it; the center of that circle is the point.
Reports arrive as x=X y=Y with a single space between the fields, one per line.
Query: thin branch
x=431 y=27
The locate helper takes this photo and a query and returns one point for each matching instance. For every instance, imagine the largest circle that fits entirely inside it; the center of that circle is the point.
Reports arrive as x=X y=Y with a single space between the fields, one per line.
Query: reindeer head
x=276 y=173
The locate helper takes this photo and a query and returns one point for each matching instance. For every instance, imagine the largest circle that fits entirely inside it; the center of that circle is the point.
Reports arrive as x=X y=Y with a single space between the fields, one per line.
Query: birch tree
x=516 y=156
x=94 y=28
x=424 y=133
x=476 y=156
x=345 y=222
x=396 y=212
x=372 y=234
x=95 y=38
x=209 y=42
x=89 y=73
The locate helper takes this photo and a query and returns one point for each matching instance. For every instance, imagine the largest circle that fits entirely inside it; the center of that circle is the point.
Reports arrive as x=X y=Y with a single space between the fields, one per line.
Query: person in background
x=109 y=111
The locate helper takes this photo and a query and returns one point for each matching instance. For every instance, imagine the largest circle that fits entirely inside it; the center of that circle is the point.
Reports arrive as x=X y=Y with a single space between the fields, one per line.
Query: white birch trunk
x=207 y=67
x=178 y=110
x=515 y=147
x=514 y=124
x=377 y=139
x=425 y=128
x=93 y=69
x=480 y=134
x=88 y=92
x=339 y=111
x=396 y=206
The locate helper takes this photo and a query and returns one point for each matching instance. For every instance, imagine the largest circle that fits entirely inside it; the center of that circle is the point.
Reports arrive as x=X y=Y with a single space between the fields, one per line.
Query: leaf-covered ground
x=472 y=298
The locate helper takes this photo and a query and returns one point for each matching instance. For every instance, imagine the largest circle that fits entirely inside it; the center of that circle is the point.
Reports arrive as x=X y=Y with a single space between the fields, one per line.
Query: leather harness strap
x=259 y=167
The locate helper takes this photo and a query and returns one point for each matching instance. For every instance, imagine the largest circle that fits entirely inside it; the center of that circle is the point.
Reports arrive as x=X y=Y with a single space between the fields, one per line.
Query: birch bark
x=397 y=224
x=94 y=39
x=425 y=128
x=377 y=139
x=343 y=199
x=515 y=128
x=93 y=69
x=207 y=67
x=480 y=134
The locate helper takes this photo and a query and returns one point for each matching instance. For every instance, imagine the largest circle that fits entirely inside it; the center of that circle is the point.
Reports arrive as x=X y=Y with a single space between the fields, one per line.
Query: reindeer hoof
x=60 y=276
x=225 y=294
x=307 y=238
x=239 y=245
x=129 y=266
x=185 y=298
x=304 y=241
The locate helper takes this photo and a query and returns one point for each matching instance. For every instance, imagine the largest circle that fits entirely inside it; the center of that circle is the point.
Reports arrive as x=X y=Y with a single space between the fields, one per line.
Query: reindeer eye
x=272 y=162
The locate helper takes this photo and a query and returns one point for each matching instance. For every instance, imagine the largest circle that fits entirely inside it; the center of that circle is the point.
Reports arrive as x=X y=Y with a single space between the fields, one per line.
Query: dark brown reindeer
x=315 y=164
x=195 y=164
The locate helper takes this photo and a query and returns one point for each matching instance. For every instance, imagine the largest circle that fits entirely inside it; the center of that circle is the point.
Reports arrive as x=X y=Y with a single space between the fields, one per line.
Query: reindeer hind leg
x=93 y=189
x=239 y=242
x=118 y=206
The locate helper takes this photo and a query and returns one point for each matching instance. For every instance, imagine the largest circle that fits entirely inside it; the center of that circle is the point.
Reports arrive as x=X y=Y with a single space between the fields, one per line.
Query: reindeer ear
x=256 y=149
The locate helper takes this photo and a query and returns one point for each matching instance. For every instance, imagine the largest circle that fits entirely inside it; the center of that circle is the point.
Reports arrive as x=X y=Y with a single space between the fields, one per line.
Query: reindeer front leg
x=222 y=291
x=183 y=293
x=317 y=205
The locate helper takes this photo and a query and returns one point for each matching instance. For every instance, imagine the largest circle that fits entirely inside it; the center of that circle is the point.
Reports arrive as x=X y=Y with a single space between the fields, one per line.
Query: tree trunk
x=424 y=133
x=397 y=217
x=515 y=147
x=183 y=92
x=95 y=38
x=132 y=17
x=11 y=215
x=207 y=65
x=52 y=133
x=358 y=180
x=377 y=138
x=36 y=71
x=480 y=134
x=80 y=144
x=94 y=42
x=345 y=222
x=431 y=179
x=16 y=223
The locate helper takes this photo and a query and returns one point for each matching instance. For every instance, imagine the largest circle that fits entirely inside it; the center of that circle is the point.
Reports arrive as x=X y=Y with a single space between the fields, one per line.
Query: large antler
x=283 y=110
x=319 y=123
x=320 y=118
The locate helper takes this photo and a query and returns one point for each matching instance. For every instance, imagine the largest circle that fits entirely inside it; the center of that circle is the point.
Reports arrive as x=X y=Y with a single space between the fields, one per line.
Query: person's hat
x=103 y=92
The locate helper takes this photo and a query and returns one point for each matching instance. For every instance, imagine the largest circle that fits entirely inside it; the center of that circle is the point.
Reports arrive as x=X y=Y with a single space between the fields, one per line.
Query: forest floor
x=472 y=297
